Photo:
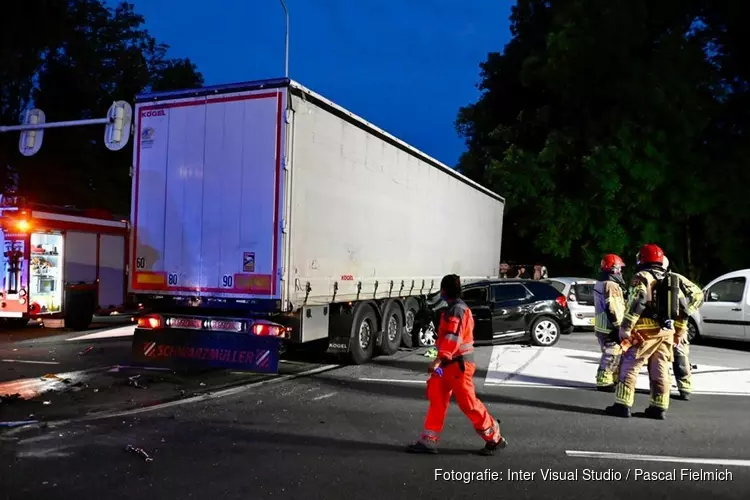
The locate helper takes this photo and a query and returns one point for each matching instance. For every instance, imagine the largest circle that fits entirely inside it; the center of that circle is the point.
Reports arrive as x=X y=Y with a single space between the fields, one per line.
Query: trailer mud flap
x=194 y=349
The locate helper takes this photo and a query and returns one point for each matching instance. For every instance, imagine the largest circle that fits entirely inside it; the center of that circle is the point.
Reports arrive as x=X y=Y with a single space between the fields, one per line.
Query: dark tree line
x=72 y=59
x=610 y=124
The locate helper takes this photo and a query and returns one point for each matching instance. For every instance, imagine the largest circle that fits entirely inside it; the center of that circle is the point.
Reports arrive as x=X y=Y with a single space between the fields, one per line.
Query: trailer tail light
x=149 y=322
x=269 y=330
x=23 y=225
x=562 y=301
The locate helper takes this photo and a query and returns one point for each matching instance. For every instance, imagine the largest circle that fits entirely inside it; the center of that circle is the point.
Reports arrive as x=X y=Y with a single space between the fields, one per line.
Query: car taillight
x=267 y=330
x=149 y=322
x=562 y=301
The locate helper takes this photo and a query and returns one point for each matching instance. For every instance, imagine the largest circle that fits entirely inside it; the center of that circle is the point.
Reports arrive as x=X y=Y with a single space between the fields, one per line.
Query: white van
x=725 y=313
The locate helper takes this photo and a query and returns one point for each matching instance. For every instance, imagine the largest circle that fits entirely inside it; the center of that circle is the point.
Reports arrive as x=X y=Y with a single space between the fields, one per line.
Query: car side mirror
x=713 y=296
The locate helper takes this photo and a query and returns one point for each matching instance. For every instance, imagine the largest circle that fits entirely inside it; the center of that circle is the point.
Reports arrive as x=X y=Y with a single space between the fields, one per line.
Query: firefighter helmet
x=651 y=254
x=612 y=263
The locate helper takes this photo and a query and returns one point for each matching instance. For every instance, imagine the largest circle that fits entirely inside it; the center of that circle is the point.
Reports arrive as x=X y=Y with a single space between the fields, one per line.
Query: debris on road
x=47 y=402
x=52 y=376
x=431 y=353
x=86 y=351
x=140 y=452
x=10 y=398
x=694 y=367
x=133 y=382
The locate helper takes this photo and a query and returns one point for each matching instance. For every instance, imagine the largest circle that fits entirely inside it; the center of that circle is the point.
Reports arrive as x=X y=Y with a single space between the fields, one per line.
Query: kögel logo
x=158 y=112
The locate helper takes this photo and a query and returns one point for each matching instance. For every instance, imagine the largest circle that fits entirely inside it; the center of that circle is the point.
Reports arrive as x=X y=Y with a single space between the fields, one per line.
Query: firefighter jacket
x=456 y=333
x=609 y=303
x=641 y=311
x=691 y=298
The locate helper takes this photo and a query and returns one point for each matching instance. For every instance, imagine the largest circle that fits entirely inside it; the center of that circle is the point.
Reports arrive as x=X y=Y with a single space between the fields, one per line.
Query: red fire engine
x=61 y=263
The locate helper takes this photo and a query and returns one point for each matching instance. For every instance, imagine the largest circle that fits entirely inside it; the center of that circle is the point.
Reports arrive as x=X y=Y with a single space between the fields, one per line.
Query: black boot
x=606 y=388
x=420 y=447
x=684 y=396
x=655 y=413
x=490 y=448
x=618 y=410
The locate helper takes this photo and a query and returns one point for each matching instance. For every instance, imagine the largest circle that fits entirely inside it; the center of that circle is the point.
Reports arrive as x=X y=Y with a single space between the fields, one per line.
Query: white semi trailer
x=264 y=208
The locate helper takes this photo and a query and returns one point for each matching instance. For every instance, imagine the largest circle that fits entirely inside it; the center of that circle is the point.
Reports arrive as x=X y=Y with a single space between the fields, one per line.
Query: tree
x=594 y=123
x=99 y=54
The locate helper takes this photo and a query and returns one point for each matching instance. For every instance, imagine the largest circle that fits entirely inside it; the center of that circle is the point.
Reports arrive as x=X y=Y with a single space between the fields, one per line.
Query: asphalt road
x=340 y=434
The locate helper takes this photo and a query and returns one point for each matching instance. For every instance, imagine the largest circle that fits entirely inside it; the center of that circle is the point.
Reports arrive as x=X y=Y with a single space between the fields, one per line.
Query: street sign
x=31 y=140
x=117 y=131
x=189 y=348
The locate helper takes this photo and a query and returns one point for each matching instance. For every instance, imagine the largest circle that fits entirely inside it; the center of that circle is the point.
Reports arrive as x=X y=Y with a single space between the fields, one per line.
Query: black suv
x=512 y=310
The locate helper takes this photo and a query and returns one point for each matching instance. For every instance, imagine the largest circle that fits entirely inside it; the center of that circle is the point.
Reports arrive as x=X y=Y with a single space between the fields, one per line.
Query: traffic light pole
x=116 y=131
x=41 y=126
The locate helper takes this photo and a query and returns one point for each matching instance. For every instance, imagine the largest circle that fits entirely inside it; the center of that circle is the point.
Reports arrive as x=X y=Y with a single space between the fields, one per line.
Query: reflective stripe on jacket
x=609 y=306
x=455 y=332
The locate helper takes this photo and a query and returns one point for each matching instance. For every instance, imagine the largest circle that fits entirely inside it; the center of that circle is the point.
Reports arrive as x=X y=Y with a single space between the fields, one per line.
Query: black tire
x=360 y=354
x=693 y=334
x=79 y=321
x=545 y=332
x=411 y=306
x=393 y=328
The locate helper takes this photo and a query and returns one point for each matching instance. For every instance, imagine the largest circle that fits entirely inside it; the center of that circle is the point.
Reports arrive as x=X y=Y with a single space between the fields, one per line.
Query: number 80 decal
x=227 y=281
x=172 y=279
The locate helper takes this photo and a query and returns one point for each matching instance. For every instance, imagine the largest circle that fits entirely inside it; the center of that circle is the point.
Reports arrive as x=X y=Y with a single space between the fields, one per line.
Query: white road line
x=657 y=458
x=324 y=396
x=123 y=331
x=572 y=386
x=395 y=381
x=27 y=361
x=195 y=399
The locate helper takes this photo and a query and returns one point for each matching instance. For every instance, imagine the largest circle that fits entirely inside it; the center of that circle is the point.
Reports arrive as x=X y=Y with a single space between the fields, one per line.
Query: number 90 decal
x=227 y=281
x=172 y=279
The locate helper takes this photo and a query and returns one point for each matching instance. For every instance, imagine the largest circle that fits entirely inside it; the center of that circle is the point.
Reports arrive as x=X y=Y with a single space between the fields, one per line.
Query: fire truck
x=61 y=266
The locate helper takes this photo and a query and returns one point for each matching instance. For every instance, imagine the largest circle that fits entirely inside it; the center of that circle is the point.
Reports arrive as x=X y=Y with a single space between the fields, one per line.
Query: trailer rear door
x=207 y=193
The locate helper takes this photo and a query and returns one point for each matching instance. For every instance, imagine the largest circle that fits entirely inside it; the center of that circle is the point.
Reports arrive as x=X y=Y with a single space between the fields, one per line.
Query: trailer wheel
x=79 y=320
x=364 y=332
x=411 y=306
x=393 y=328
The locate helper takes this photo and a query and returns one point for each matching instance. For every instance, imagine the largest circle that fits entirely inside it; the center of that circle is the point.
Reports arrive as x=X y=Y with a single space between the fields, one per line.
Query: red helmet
x=610 y=262
x=650 y=254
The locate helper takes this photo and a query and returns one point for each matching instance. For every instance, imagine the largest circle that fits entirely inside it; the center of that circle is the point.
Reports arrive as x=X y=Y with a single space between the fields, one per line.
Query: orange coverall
x=455 y=345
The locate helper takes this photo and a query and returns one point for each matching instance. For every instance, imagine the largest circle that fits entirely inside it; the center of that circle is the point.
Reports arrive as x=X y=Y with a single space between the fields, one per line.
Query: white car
x=580 y=295
x=725 y=313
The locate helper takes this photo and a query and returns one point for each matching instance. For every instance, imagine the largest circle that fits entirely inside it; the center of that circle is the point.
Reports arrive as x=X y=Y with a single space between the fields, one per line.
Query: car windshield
x=584 y=293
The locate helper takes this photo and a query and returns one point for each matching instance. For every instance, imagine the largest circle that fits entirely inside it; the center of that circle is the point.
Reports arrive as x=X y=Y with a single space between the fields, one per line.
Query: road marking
x=179 y=402
x=123 y=331
x=324 y=396
x=534 y=367
x=657 y=458
x=28 y=361
x=395 y=381
x=18 y=423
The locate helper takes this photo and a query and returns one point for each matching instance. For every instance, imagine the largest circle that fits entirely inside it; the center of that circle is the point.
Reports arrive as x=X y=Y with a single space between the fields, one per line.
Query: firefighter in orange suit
x=651 y=333
x=452 y=372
